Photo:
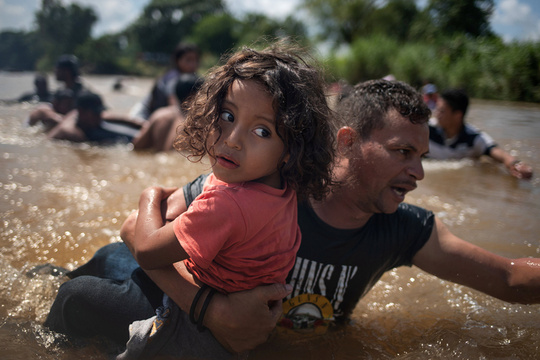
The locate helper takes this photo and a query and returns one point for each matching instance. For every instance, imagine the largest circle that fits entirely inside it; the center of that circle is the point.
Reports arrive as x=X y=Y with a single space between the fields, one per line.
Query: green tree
x=19 y=50
x=394 y=19
x=215 y=34
x=341 y=21
x=165 y=23
x=452 y=17
x=63 y=28
x=101 y=55
x=255 y=26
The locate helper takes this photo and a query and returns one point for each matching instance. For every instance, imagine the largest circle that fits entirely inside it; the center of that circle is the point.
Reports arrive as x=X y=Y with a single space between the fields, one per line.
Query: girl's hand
x=174 y=205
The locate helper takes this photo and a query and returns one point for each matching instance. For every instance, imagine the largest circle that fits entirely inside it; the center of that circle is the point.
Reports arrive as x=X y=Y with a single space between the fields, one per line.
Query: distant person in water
x=67 y=72
x=451 y=138
x=159 y=132
x=430 y=95
x=50 y=114
x=41 y=93
x=185 y=60
x=86 y=124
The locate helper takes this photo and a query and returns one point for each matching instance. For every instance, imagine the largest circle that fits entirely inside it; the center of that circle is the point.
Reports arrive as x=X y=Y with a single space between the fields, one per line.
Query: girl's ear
x=346 y=138
x=286 y=158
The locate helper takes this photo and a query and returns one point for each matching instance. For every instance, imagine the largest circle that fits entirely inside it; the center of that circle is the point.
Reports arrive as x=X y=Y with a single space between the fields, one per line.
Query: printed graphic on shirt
x=309 y=313
x=319 y=290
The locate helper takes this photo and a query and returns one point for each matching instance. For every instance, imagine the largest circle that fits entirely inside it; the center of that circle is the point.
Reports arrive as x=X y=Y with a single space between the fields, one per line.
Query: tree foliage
x=63 y=28
x=215 y=34
x=341 y=21
x=165 y=23
x=449 y=41
x=471 y=17
x=19 y=50
x=344 y=21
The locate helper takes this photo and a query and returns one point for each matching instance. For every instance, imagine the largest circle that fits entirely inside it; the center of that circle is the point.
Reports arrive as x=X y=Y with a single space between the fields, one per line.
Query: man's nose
x=416 y=169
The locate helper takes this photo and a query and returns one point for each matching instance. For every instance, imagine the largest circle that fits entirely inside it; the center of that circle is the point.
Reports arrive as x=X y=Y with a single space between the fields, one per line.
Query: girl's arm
x=154 y=243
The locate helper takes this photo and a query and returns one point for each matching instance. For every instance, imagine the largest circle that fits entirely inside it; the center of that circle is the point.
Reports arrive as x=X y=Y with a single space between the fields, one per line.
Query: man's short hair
x=364 y=107
x=69 y=62
x=90 y=101
x=457 y=99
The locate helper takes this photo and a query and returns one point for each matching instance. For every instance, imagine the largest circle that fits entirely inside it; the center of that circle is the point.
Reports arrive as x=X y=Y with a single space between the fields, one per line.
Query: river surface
x=61 y=202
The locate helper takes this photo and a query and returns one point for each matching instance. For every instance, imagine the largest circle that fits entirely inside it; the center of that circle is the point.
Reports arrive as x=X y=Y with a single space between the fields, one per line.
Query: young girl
x=262 y=120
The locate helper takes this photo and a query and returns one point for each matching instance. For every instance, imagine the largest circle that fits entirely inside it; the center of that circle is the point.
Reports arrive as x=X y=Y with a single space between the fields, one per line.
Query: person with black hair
x=158 y=133
x=86 y=124
x=50 y=114
x=185 y=60
x=67 y=71
x=450 y=137
x=41 y=93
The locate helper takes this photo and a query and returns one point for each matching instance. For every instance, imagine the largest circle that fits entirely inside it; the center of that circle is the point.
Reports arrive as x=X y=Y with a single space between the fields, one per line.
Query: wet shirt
x=334 y=268
x=240 y=235
x=469 y=143
x=108 y=133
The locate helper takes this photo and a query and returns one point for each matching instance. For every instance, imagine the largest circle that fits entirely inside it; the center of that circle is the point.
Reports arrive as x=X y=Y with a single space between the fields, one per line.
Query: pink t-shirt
x=240 y=235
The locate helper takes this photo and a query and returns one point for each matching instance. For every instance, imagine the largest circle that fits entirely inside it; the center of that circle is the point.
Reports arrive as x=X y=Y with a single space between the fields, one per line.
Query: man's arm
x=515 y=167
x=68 y=130
x=451 y=258
x=239 y=321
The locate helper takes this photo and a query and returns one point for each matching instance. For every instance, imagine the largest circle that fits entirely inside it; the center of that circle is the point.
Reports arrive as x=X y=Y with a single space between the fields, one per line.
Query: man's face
x=446 y=116
x=61 y=73
x=385 y=167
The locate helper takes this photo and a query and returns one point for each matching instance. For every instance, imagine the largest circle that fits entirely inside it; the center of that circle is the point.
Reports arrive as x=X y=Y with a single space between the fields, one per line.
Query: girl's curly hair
x=299 y=101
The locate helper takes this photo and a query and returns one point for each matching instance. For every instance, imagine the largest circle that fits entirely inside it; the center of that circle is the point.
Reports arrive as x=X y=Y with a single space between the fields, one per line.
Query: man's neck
x=340 y=212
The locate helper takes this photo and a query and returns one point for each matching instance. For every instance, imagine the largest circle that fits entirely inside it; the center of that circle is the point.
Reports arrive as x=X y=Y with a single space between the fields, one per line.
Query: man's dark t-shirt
x=335 y=267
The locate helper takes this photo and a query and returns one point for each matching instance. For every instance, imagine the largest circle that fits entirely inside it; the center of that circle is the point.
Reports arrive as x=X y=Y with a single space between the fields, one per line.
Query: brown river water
x=61 y=202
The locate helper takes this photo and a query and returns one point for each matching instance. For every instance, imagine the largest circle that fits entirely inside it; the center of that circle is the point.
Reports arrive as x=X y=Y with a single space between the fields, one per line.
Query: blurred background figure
x=185 y=60
x=159 y=133
x=41 y=91
x=86 y=124
x=429 y=92
x=67 y=71
x=451 y=138
x=50 y=114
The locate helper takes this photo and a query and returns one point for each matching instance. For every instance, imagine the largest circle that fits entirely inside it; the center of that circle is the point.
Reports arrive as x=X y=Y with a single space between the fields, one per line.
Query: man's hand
x=243 y=320
x=520 y=170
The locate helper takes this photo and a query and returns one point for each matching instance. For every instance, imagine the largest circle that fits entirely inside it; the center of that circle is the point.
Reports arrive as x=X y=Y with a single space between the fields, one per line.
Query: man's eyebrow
x=412 y=148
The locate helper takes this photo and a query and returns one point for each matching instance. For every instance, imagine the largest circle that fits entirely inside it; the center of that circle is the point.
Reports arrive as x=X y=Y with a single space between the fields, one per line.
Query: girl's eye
x=227 y=116
x=262 y=132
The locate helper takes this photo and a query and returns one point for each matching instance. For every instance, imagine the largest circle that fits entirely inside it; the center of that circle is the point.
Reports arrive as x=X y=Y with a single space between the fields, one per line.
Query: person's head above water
x=298 y=106
x=69 y=64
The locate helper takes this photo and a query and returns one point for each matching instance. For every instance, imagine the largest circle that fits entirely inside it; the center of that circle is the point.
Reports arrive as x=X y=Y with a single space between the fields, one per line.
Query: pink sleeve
x=211 y=222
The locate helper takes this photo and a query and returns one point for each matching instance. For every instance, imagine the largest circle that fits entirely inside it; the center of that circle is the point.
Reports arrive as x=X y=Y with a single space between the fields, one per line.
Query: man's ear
x=346 y=137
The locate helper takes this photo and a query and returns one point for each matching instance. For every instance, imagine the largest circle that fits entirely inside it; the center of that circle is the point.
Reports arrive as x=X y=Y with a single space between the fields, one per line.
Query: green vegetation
x=449 y=42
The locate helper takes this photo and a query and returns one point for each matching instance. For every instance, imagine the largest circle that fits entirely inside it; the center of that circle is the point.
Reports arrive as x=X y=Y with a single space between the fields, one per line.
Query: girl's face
x=249 y=148
x=188 y=63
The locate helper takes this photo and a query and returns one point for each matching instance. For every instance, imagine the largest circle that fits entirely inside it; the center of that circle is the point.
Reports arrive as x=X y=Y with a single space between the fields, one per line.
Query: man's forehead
x=401 y=129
